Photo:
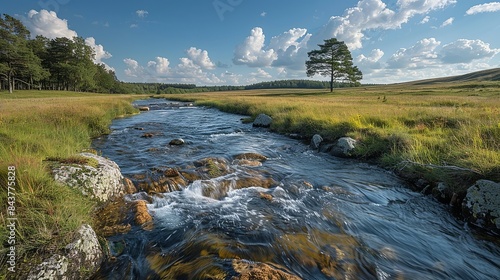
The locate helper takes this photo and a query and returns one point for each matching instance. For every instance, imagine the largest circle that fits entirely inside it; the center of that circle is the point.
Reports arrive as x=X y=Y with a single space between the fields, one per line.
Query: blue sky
x=238 y=42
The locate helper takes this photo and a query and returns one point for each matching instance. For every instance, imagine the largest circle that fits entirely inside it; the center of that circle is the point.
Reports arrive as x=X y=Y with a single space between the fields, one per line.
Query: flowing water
x=325 y=218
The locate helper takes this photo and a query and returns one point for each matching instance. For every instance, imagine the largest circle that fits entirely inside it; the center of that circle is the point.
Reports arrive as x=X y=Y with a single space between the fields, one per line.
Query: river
x=321 y=218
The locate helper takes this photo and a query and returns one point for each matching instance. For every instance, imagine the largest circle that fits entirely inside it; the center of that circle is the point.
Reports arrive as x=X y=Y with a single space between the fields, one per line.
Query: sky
x=240 y=42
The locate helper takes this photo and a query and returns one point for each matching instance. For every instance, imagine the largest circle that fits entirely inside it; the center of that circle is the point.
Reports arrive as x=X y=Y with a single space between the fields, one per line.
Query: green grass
x=36 y=127
x=446 y=124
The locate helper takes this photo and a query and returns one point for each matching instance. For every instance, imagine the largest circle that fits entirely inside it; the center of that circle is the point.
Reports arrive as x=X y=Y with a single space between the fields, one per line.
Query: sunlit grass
x=34 y=126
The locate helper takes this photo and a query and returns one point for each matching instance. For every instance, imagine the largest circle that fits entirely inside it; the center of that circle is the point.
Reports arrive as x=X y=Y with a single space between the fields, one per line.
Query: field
x=443 y=124
x=35 y=126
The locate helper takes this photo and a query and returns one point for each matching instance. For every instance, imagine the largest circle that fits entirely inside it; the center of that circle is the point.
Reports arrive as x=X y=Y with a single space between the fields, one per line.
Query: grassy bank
x=34 y=126
x=448 y=124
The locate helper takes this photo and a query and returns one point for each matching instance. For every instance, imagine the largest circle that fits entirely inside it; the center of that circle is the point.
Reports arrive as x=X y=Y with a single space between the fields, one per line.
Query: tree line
x=52 y=64
x=68 y=64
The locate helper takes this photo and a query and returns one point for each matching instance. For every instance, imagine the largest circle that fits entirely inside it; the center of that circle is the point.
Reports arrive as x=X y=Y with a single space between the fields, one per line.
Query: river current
x=322 y=218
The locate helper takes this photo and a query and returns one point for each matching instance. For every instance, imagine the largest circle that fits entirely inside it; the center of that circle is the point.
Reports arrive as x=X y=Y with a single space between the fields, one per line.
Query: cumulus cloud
x=374 y=14
x=252 y=52
x=372 y=61
x=159 y=66
x=420 y=55
x=287 y=49
x=291 y=48
x=99 y=52
x=142 y=13
x=465 y=51
x=484 y=8
x=448 y=22
x=133 y=68
x=48 y=24
x=200 y=58
x=191 y=69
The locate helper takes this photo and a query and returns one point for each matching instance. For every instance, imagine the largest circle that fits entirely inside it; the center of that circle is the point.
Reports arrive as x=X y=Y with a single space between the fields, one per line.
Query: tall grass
x=35 y=126
x=445 y=124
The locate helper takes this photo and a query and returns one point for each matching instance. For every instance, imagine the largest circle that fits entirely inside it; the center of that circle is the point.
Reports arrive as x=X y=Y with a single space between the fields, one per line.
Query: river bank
x=36 y=126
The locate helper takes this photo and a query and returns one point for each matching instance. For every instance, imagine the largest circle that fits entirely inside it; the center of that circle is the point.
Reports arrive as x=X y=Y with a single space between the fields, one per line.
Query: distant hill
x=480 y=76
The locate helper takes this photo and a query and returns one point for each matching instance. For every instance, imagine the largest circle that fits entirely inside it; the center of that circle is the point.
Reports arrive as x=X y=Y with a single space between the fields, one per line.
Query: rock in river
x=176 y=142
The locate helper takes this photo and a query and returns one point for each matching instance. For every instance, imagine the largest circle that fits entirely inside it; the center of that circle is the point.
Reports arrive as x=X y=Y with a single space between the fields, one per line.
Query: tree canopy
x=57 y=64
x=333 y=60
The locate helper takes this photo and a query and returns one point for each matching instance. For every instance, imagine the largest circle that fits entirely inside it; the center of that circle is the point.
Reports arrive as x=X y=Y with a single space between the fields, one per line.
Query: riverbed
x=321 y=217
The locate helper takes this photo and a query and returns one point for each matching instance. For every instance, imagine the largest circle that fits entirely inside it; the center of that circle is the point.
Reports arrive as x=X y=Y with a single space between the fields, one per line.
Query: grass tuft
x=36 y=126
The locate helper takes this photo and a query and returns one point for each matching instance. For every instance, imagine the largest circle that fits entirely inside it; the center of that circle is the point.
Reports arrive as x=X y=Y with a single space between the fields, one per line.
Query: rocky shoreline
x=124 y=201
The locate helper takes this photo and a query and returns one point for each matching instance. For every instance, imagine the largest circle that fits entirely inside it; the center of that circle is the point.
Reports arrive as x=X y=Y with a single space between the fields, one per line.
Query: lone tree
x=333 y=60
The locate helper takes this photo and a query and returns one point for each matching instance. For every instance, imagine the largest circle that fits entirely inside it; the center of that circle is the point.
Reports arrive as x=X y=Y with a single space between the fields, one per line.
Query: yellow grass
x=448 y=124
x=35 y=126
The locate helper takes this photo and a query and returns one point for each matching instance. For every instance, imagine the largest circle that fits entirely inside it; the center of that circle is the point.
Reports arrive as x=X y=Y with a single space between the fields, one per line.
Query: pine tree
x=333 y=60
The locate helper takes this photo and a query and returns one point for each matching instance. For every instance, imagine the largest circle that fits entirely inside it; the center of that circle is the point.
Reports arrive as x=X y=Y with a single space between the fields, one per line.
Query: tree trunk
x=11 y=83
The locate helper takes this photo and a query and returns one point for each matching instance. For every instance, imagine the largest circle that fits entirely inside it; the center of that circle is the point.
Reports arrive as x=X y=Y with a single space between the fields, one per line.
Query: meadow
x=40 y=125
x=454 y=124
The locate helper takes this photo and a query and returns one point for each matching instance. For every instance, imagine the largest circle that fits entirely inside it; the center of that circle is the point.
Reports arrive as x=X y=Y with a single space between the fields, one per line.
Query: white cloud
x=465 y=51
x=420 y=55
x=261 y=74
x=231 y=78
x=252 y=53
x=99 y=52
x=448 y=22
x=200 y=58
x=142 y=13
x=367 y=63
x=425 y=20
x=263 y=14
x=160 y=66
x=133 y=68
x=188 y=70
x=291 y=48
x=484 y=8
x=374 y=14
x=47 y=24
x=133 y=25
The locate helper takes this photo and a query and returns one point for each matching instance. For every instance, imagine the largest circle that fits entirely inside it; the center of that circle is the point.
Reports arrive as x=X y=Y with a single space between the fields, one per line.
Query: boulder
x=80 y=259
x=316 y=141
x=101 y=180
x=262 y=120
x=344 y=147
x=481 y=205
x=143 y=109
